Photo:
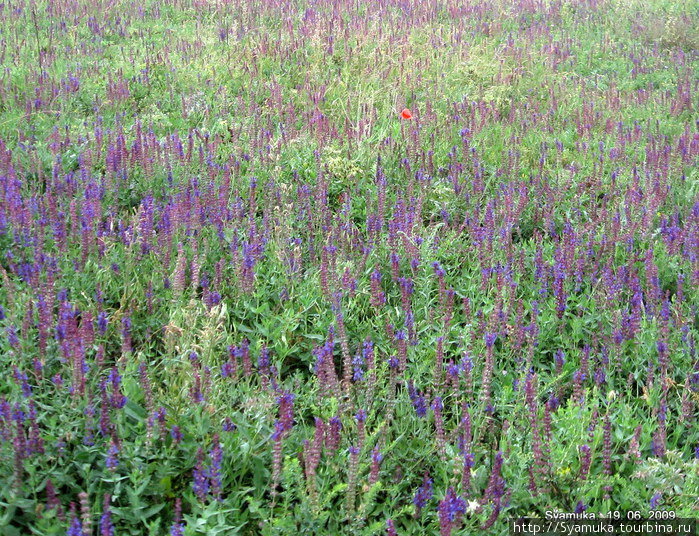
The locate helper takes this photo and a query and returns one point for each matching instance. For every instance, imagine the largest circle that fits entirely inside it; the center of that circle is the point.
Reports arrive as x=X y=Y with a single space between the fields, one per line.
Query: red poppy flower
x=406 y=114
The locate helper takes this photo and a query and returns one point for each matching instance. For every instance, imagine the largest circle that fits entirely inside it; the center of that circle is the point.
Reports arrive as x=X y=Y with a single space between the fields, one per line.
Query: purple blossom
x=106 y=526
x=176 y=434
x=424 y=493
x=286 y=411
x=560 y=360
x=52 y=500
x=376 y=459
x=451 y=509
x=216 y=456
x=12 y=337
x=200 y=479
x=118 y=400
x=126 y=335
x=358 y=364
x=102 y=322
x=112 y=457
x=23 y=381
x=227 y=369
x=334 y=431
x=438 y=270
x=228 y=425
x=418 y=400
x=600 y=377
x=75 y=528
x=490 y=339
x=177 y=528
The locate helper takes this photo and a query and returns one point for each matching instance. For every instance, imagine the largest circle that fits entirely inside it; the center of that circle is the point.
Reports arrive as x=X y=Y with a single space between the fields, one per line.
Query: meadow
x=242 y=293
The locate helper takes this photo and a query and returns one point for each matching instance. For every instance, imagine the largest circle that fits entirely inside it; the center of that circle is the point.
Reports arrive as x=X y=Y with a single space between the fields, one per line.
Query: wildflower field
x=346 y=267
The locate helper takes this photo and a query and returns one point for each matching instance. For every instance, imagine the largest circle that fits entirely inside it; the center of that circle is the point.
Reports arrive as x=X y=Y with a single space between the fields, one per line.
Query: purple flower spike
x=112 y=457
x=76 y=528
x=200 y=480
x=106 y=526
x=424 y=493
x=177 y=528
x=451 y=509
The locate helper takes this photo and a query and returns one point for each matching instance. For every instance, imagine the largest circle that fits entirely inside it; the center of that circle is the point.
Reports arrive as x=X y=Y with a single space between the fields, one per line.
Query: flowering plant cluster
x=348 y=267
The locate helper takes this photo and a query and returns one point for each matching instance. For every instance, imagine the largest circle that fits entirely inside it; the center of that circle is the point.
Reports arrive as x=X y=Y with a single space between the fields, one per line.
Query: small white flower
x=472 y=507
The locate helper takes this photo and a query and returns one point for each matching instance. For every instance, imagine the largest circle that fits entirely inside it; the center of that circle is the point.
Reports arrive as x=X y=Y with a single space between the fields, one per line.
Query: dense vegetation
x=240 y=293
